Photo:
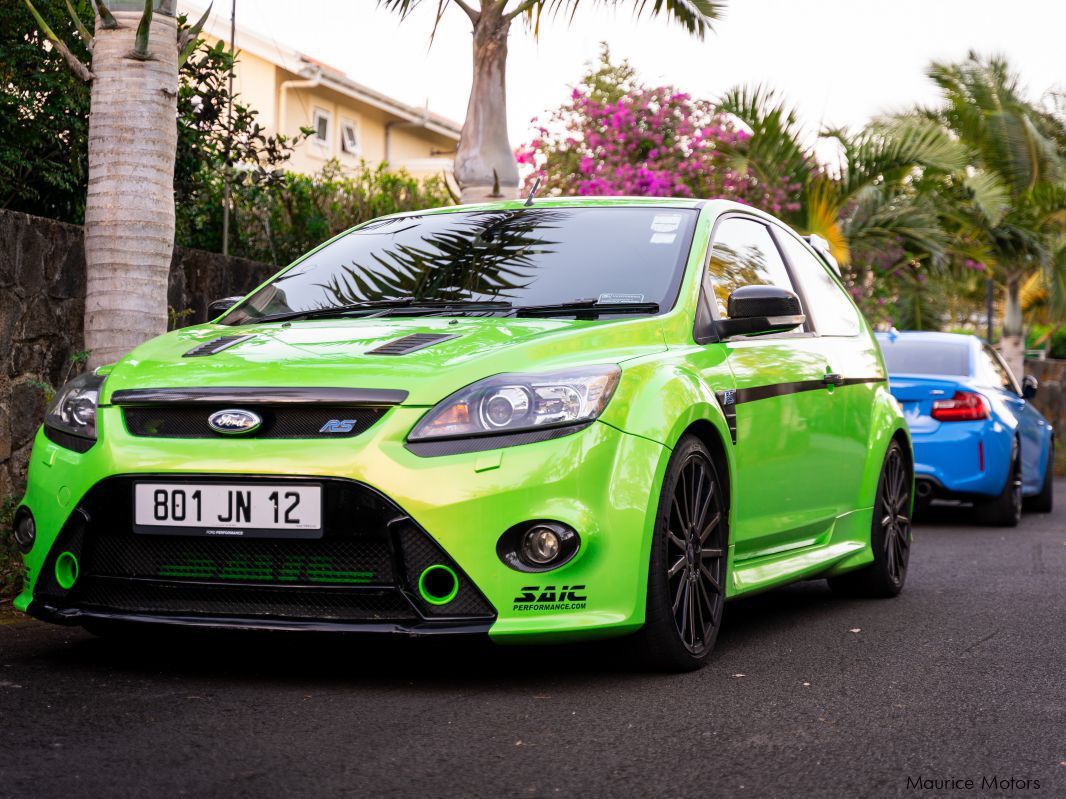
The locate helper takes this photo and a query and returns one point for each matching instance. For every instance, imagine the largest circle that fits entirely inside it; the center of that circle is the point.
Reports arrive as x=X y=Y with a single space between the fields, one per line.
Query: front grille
x=308 y=421
x=364 y=569
x=349 y=561
x=135 y=596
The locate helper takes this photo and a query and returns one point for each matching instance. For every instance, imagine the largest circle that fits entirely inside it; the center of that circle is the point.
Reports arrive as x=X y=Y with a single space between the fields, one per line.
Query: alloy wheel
x=895 y=519
x=696 y=554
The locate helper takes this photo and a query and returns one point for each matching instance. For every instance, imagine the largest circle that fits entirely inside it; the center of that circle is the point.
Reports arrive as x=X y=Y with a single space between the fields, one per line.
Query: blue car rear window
x=926 y=358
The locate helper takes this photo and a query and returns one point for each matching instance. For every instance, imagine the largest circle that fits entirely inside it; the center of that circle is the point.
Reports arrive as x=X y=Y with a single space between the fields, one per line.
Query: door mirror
x=757 y=310
x=1029 y=386
x=216 y=308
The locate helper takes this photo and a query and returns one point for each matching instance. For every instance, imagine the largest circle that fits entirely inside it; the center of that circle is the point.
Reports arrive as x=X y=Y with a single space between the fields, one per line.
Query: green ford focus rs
x=565 y=419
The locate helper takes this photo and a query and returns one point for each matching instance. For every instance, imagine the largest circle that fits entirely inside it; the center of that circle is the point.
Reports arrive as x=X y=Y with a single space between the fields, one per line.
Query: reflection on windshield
x=527 y=256
x=483 y=257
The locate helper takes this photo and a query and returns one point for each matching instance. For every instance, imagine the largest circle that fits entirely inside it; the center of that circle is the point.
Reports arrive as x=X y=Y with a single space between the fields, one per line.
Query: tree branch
x=140 y=43
x=106 y=17
x=189 y=37
x=82 y=30
x=76 y=66
x=523 y=7
x=470 y=10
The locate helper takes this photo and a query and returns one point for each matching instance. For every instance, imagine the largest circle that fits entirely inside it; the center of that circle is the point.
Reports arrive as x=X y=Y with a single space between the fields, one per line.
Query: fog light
x=541 y=545
x=25 y=529
x=537 y=546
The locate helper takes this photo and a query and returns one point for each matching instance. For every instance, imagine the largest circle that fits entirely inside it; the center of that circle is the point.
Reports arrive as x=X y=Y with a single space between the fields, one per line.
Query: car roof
x=929 y=336
x=716 y=205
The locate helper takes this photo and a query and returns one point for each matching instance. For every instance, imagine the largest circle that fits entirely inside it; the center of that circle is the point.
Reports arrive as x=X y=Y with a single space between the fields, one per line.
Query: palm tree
x=1021 y=148
x=129 y=209
x=484 y=163
x=871 y=201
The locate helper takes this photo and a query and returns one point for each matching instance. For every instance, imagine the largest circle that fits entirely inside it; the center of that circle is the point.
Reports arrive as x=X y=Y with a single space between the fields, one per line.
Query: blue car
x=976 y=436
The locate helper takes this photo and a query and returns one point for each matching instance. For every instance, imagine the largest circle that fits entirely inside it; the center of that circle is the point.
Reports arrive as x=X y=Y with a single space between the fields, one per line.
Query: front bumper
x=600 y=481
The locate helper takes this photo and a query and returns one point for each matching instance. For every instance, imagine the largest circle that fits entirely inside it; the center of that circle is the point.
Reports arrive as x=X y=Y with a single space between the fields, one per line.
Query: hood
x=339 y=353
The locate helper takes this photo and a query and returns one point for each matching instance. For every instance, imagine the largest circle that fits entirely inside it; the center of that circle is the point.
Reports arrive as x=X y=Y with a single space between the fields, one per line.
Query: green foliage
x=47 y=389
x=44 y=113
x=278 y=220
x=10 y=558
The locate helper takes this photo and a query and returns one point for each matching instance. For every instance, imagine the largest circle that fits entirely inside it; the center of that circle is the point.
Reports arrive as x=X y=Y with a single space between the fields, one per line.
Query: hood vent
x=215 y=346
x=412 y=343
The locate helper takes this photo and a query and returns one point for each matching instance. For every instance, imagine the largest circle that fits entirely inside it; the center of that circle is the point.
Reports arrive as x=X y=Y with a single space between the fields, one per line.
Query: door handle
x=833 y=379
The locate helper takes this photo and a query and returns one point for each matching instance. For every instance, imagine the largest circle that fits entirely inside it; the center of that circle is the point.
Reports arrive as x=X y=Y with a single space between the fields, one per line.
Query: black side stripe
x=730 y=398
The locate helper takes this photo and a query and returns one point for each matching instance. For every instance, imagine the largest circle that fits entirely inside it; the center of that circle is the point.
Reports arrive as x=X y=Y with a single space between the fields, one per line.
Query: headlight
x=73 y=411
x=513 y=403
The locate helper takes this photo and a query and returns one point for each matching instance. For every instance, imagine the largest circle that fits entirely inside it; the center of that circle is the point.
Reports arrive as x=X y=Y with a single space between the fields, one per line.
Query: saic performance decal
x=534 y=597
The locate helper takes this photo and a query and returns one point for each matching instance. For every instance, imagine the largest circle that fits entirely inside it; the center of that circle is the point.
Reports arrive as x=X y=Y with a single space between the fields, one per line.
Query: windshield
x=925 y=358
x=525 y=257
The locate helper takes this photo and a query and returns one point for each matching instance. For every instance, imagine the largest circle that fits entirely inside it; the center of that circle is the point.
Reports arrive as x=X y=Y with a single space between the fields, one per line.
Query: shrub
x=277 y=221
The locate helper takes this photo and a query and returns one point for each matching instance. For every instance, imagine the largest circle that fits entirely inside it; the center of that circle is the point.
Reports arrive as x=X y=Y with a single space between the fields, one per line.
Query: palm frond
x=775 y=150
x=695 y=16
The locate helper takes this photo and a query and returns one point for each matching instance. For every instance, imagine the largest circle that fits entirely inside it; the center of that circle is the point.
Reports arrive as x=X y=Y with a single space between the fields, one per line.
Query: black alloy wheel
x=687 y=568
x=696 y=554
x=890 y=532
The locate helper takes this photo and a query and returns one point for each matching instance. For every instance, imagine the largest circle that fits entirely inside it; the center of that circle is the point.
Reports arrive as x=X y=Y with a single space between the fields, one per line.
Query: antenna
x=532 y=193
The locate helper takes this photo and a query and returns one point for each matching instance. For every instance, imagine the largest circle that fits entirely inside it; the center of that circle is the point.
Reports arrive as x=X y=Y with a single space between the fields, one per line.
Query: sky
x=838 y=61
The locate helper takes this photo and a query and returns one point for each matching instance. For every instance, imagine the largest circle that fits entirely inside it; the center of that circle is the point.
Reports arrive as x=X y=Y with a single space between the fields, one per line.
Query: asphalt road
x=962 y=677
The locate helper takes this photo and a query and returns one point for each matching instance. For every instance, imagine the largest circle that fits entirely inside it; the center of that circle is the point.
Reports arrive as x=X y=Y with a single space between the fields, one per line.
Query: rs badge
x=338 y=426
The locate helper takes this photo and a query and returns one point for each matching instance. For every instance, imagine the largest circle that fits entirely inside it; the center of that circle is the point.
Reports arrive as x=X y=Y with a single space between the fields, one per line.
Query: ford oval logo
x=234 y=422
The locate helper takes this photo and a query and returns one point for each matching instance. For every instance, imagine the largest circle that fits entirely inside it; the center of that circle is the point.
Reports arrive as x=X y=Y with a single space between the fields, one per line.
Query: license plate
x=228 y=511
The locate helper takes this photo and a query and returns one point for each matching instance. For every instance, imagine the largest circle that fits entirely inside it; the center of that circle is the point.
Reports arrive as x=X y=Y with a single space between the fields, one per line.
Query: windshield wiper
x=586 y=308
x=383 y=307
x=444 y=307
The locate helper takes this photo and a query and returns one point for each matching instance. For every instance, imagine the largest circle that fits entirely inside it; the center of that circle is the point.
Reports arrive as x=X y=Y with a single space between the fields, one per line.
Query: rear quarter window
x=830 y=308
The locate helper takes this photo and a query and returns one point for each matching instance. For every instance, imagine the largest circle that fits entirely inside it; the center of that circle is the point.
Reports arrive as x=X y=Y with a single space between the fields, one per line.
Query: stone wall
x=42 y=299
x=1049 y=398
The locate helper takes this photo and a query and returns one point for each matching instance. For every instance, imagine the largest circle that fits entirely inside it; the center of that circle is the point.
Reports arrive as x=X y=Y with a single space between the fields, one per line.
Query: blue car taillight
x=965 y=406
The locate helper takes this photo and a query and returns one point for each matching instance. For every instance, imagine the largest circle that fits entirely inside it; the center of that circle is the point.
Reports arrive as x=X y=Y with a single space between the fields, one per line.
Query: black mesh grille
x=336 y=561
x=309 y=421
x=136 y=596
x=419 y=552
x=365 y=568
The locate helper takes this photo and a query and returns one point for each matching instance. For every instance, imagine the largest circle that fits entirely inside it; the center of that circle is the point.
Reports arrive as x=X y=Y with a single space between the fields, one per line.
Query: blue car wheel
x=1005 y=510
x=1044 y=501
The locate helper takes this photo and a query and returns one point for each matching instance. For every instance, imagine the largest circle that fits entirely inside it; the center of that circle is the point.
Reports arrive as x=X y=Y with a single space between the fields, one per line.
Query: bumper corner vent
x=411 y=343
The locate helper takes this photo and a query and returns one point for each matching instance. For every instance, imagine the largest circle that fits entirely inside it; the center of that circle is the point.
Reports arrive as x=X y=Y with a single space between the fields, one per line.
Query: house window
x=321 y=124
x=350 y=138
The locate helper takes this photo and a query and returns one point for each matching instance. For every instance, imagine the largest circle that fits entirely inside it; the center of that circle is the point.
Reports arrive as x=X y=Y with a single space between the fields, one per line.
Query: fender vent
x=416 y=341
x=215 y=346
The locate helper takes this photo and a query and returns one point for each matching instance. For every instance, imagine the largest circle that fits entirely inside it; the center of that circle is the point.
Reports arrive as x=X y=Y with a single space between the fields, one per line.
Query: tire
x=890 y=533
x=1005 y=510
x=1044 y=501
x=687 y=566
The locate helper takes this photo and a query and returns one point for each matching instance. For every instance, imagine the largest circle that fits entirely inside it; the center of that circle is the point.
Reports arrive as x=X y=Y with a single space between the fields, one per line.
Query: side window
x=744 y=254
x=992 y=369
x=833 y=313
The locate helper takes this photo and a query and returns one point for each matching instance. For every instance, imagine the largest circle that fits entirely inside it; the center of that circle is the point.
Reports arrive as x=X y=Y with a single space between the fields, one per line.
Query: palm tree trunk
x=485 y=157
x=129 y=210
x=1012 y=344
